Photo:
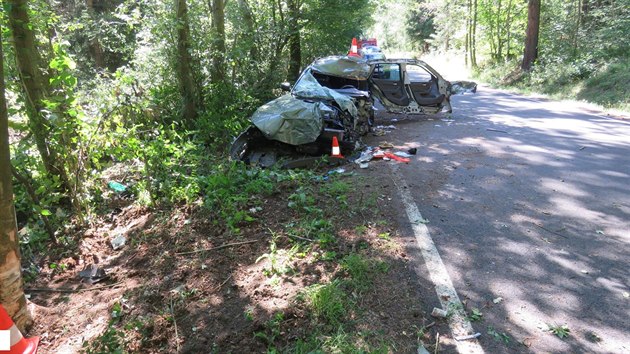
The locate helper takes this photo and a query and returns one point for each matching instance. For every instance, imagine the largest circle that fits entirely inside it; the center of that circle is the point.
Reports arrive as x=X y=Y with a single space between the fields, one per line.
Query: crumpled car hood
x=299 y=118
x=290 y=120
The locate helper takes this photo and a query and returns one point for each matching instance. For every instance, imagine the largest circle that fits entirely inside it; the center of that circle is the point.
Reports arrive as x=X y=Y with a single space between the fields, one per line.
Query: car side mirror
x=285 y=86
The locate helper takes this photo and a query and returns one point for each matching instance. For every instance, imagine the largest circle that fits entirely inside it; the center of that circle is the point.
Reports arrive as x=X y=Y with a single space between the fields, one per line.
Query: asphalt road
x=528 y=200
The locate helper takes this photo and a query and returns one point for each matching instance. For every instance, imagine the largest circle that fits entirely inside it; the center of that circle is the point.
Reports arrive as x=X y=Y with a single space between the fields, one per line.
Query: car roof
x=342 y=66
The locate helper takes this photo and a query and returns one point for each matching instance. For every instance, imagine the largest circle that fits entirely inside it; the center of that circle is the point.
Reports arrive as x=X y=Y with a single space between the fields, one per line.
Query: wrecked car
x=329 y=99
x=334 y=97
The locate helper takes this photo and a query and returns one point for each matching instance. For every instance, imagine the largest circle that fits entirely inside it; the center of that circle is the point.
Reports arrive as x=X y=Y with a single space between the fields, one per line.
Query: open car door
x=408 y=86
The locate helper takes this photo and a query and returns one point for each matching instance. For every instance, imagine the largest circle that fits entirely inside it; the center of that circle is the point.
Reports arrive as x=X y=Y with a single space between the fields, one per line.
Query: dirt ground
x=184 y=284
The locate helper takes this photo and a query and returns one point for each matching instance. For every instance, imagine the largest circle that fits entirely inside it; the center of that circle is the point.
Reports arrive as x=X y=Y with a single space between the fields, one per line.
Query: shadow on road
x=529 y=201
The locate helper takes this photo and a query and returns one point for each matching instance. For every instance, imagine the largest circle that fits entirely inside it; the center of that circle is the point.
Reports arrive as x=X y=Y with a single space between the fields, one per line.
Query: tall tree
x=36 y=90
x=184 y=64
x=531 y=36
x=473 y=37
x=11 y=290
x=218 y=41
x=250 y=32
x=295 y=46
x=96 y=50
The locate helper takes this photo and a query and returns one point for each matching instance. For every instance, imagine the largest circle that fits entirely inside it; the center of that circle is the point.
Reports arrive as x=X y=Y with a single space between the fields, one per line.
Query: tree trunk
x=531 y=36
x=250 y=25
x=96 y=50
x=36 y=89
x=499 y=55
x=184 y=67
x=578 y=23
x=295 y=49
x=473 y=50
x=218 y=42
x=468 y=31
x=508 y=30
x=11 y=290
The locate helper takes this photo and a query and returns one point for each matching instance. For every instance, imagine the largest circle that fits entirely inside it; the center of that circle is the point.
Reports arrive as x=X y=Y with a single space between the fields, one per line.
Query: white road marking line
x=458 y=322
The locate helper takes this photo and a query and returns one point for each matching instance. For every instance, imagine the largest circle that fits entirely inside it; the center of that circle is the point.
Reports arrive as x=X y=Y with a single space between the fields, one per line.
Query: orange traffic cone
x=354 y=49
x=336 y=151
x=11 y=340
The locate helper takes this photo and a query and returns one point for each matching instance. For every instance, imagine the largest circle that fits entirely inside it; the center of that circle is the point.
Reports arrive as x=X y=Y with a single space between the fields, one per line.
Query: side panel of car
x=423 y=89
x=388 y=78
x=423 y=86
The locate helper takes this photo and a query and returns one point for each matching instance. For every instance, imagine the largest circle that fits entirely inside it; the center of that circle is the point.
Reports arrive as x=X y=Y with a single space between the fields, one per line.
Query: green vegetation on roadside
x=606 y=84
x=332 y=306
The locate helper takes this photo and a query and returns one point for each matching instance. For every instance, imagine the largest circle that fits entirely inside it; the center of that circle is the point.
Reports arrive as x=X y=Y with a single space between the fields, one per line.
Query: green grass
x=475 y=315
x=360 y=270
x=328 y=302
x=607 y=85
x=271 y=332
x=341 y=341
x=561 y=331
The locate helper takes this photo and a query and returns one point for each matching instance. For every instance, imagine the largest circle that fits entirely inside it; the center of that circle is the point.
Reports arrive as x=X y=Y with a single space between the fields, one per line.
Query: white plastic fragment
x=118 y=242
x=365 y=156
x=497 y=300
x=472 y=336
x=439 y=313
x=403 y=154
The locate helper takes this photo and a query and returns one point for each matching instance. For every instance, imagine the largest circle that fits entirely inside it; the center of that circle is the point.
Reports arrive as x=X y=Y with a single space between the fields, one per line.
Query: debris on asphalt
x=386 y=145
x=118 y=242
x=472 y=336
x=92 y=274
x=378 y=132
x=421 y=221
x=402 y=154
x=497 y=130
x=391 y=156
x=382 y=130
x=626 y=295
x=498 y=300
x=366 y=156
x=412 y=151
x=600 y=232
x=379 y=152
x=439 y=313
